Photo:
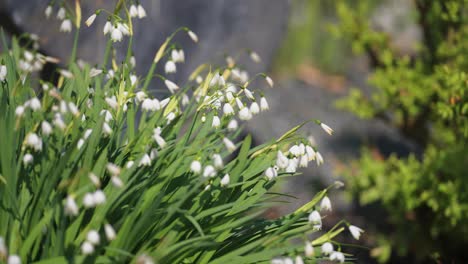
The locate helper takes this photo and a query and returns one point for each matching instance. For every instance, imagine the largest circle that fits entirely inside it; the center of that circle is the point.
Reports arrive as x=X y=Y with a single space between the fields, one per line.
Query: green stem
x=75 y=47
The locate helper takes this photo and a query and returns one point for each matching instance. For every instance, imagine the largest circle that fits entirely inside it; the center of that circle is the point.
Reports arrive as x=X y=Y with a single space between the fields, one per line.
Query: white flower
x=229 y=145
x=309 y=249
x=58 y=121
x=227 y=109
x=319 y=158
x=61 y=13
x=93 y=237
x=107 y=115
x=171 y=86
x=292 y=165
x=215 y=80
x=132 y=61
x=116 y=34
x=129 y=164
x=14 y=259
x=338 y=256
x=90 y=20
x=355 y=231
x=66 y=26
x=106 y=129
x=315 y=219
x=209 y=171
x=80 y=143
x=281 y=160
x=87 y=133
x=145 y=161
x=225 y=180
x=70 y=206
x=216 y=122
x=110 y=232
x=164 y=102
x=294 y=150
x=193 y=36
x=254 y=108
x=153 y=153
x=110 y=74
x=150 y=105
x=94 y=72
x=161 y=142
x=123 y=28
x=218 y=161
x=133 y=11
x=73 y=109
x=19 y=111
x=87 y=248
x=325 y=204
x=303 y=161
x=3 y=72
x=255 y=57
x=141 y=12
x=34 y=141
x=170 y=117
x=269 y=81
x=34 y=104
x=338 y=184
x=46 y=128
x=170 y=67
x=263 y=104
x=185 y=99
x=143 y=259
x=3 y=248
x=107 y=27
x=140 y=96
x=310 y=153
x=196 y=166
x=94 y=179
x=271 y=173
x=99 y=197
x=327 y=248
x=277 y=261
x=88 y=200
x=232 y=125
x=113 y=169
x=116 y=181
x=48 y=11
x=249 y=94
x=327 y=129
x=112 y=102
x=177 y=55
x=244 y=114
x=299 y=260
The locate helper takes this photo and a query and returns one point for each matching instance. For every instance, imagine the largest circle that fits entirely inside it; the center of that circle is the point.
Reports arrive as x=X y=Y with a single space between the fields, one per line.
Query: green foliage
x=308 y=40
x=425 y=96
x=95 y=155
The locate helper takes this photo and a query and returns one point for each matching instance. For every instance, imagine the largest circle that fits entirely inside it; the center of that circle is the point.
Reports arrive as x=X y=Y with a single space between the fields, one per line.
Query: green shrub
x=425 y=96
x=93 y=169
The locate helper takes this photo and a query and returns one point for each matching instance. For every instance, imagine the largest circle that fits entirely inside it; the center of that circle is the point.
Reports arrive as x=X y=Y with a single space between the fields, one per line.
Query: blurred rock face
x=223 y=26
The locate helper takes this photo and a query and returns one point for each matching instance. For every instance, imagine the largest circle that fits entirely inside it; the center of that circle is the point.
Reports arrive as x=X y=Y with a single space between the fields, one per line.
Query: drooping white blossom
x=66 y=26
x=225 y=180
x=325 y=204
x=327 y=248
x=196 y=166
x=355 y=231
x=110 y=232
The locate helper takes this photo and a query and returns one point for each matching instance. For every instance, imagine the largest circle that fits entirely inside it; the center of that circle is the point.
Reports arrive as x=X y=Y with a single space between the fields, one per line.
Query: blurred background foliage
x=418 y=202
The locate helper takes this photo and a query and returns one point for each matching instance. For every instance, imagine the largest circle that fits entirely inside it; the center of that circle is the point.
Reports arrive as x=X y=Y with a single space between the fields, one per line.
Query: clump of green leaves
x=425 y=96
x=94 y=169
